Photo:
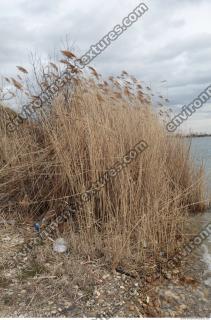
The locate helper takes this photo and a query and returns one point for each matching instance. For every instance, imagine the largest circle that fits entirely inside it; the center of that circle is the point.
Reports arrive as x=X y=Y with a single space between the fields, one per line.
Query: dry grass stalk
x=139 y=213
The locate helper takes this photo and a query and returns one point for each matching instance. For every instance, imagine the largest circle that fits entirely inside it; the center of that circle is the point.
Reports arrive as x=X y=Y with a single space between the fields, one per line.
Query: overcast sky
x=172 y=42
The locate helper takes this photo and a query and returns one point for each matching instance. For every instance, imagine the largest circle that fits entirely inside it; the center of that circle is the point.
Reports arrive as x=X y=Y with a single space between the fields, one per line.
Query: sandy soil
x=46 y=283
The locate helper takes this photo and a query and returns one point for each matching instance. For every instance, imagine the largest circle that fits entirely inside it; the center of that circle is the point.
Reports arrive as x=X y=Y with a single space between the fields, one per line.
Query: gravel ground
x=58 y=285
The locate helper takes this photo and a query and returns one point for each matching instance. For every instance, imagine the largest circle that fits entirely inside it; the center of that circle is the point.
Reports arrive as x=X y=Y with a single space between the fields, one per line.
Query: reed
x=51 y=160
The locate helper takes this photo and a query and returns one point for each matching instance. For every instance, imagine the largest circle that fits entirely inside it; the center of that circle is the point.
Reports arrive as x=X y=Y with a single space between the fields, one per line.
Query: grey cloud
x=160 y=46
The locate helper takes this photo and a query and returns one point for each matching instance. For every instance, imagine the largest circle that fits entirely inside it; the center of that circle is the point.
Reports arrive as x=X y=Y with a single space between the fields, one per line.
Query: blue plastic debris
x=37 y=227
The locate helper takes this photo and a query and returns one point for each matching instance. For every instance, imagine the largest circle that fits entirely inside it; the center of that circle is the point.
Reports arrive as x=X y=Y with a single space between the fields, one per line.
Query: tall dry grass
x=138 y=214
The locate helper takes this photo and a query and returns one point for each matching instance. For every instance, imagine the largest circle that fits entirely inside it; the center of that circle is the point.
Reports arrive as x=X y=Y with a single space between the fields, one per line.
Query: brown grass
x=139 y=213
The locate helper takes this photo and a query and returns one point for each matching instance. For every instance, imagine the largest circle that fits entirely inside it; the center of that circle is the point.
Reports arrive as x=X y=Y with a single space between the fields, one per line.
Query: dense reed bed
x=141 y=212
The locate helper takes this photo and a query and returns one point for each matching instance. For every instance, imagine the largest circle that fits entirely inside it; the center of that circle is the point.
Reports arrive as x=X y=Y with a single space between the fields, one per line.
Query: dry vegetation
x=50 y=161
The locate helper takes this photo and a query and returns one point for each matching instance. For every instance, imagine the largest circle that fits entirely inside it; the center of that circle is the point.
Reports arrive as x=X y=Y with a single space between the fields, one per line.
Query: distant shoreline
x=203 y=135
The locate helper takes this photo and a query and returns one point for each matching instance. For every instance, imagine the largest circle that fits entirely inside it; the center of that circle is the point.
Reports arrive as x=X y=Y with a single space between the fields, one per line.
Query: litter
x=60 y=245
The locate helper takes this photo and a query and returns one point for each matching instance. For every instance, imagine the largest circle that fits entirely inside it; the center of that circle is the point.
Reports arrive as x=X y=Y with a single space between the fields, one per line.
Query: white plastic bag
x=60 y=245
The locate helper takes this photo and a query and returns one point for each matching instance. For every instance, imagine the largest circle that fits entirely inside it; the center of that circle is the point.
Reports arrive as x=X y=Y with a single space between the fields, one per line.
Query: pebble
x=97 y=294
x=166 y=297
x=183 y=307
x=67 y=304
x=23 y=291
x=54 y=312
x=131 y=308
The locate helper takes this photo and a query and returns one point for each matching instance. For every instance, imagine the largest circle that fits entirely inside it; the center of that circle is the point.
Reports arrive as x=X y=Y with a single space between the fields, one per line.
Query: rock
x=167 y=274
x=67 y=304
x=96 y=293
x=175 y=271
x=54 y=312
x=170 y=294
x=188 y=280
x=182 y=307
x=131 y=307
x=124 y=277
x=173 y=313
x=23 y=291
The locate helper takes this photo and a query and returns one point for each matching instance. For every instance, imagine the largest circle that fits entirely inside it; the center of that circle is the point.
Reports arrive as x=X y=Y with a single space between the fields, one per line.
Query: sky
x=171 y=41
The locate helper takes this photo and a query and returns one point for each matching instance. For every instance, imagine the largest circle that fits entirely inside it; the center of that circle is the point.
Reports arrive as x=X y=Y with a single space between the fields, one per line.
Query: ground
x=47 y=283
